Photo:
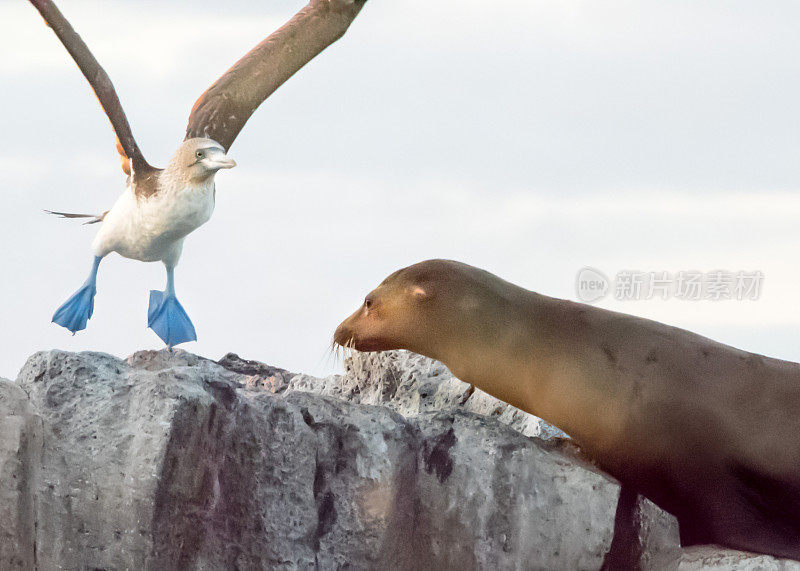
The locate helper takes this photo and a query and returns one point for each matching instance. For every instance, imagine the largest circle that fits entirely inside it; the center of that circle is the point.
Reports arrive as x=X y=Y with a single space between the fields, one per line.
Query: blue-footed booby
x=160 y=207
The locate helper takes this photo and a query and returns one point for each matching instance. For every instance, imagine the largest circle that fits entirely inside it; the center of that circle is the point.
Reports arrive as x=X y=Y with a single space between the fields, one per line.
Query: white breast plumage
x=150 y=229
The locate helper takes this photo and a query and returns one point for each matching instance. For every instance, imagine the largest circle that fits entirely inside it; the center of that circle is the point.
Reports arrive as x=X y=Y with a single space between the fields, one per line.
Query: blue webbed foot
x=77 y=310
x=168 y=319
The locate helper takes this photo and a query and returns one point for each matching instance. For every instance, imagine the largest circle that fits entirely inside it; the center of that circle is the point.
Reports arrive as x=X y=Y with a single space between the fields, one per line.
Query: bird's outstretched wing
x=225 y=107
x=101 y=84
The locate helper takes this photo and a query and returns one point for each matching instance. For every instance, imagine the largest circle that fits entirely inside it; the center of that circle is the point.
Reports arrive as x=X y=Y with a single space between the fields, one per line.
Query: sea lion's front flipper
x=626 y=549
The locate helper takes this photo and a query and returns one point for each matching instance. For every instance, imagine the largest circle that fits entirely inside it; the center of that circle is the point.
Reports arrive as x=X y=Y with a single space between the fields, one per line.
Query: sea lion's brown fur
x=709 y=432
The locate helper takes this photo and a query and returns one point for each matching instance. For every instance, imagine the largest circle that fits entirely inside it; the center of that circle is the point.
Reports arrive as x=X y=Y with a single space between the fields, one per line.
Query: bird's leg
x=76 y=311
x=167 y=317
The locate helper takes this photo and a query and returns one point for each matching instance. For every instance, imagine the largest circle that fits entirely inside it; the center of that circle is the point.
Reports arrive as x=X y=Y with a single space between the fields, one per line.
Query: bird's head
x=199 y=159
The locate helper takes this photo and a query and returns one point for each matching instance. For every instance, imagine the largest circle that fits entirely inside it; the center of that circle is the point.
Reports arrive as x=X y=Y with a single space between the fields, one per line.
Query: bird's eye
x=199 y=154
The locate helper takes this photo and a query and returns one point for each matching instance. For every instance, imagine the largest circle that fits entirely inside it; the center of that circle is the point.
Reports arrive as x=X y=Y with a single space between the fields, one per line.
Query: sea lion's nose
x=341 y=335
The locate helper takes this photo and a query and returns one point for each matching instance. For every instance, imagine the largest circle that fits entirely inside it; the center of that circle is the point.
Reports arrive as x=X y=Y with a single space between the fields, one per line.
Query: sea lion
x=708 y=432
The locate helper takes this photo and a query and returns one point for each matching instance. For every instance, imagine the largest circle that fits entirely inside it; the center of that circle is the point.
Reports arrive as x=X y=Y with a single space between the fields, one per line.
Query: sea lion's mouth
x=366 y=345
x=353 y=342
x=346 y=338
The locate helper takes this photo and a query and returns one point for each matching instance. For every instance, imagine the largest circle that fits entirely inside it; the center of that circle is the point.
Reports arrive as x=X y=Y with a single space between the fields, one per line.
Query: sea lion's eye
x=199 y=154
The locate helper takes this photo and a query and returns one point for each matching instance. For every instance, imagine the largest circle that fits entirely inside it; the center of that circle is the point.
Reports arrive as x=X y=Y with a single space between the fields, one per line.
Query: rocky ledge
x=172 y=461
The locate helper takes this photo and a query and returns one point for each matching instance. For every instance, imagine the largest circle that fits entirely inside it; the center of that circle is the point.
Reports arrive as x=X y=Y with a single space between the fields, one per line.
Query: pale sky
x=531 y=138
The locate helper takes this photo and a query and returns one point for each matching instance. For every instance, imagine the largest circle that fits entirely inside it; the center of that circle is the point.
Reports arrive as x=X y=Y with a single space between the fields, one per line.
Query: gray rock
x=115 y=443
x=495 y=499
x=20 y=447
x=657 y=532
x=172 y=461
x=714 y=557
x=412 y=384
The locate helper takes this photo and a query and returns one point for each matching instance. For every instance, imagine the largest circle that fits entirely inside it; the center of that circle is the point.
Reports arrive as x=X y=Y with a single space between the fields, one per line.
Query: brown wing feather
x=101 y=84
x=225 y=107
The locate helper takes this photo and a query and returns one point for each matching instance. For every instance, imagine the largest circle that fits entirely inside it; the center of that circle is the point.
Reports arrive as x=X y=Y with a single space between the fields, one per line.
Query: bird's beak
x=217 y=162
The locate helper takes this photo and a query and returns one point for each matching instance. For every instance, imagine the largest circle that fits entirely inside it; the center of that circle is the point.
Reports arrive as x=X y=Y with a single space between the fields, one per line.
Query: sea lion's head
x=419 y=308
